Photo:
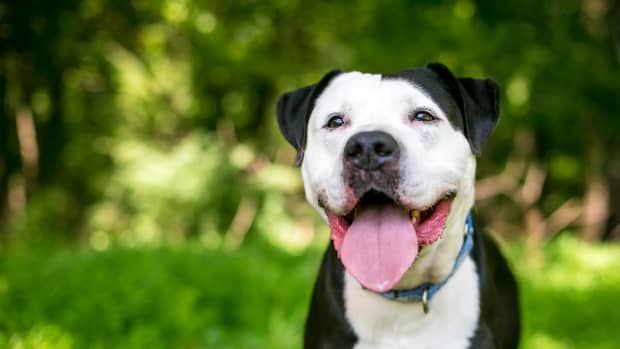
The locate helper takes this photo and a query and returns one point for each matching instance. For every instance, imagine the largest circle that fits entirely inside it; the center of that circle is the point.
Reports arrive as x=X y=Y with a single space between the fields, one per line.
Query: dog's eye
x=423 y=116
x=335 y=120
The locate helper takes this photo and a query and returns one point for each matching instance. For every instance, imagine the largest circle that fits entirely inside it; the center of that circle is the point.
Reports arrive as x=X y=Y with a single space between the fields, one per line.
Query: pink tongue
x=379 y=247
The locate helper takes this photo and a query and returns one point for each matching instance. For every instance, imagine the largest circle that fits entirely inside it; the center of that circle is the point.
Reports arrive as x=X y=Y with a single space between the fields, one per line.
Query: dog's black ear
x=478 y=100
x=294 y=109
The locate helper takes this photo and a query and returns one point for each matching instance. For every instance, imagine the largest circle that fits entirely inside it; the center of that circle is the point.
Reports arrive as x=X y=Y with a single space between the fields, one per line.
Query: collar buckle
x=425 y=300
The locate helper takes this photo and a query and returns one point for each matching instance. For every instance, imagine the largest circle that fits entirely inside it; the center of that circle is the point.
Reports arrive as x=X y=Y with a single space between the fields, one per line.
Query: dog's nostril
x=382 y=150
x=354 y=150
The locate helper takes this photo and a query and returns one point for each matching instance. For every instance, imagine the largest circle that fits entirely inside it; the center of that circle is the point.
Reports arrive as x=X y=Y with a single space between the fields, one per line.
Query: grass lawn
x=256 y=297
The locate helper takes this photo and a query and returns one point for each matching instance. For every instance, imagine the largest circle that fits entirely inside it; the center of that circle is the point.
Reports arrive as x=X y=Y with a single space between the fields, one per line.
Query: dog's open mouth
x=378 y=240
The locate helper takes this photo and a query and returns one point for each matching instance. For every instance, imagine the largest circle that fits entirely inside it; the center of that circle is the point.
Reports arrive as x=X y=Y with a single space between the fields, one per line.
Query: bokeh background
x=148 y=200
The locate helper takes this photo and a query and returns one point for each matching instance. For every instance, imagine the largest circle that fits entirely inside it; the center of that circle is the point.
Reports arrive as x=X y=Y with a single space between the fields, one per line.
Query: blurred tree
x=52 y=77
x=154 y=119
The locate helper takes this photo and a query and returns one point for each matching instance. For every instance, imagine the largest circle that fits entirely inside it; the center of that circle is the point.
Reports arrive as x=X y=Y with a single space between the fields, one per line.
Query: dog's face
x=388 y=160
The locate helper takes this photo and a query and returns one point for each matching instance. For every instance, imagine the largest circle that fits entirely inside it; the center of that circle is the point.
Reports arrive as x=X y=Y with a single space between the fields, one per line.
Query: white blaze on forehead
x=370 y=99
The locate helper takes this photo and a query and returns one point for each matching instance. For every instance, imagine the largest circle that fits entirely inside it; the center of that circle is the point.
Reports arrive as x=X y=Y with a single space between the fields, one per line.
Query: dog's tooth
x=355 y=213
x=415 y=214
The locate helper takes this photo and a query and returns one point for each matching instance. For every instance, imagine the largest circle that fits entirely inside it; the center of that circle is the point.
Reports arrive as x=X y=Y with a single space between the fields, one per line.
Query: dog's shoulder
x=499 y=324
x=326 y=325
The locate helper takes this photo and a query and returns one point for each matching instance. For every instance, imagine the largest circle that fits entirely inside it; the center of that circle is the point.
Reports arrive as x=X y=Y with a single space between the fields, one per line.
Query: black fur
x=293 y=111
x=326 y=325
x=477 y=100
x=500 y=323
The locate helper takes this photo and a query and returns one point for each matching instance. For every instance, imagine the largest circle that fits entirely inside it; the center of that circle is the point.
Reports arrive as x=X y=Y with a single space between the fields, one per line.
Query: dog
x=389 y=160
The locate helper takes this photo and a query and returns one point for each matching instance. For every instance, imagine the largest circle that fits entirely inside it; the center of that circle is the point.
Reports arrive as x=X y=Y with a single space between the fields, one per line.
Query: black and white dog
x=389 y=162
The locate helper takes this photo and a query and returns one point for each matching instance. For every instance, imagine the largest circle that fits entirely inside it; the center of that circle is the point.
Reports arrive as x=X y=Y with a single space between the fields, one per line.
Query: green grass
x=570 y=294
x=154 y=298
x=256 y=297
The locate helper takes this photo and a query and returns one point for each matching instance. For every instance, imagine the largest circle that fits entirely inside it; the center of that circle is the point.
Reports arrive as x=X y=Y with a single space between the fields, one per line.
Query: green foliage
x=160 y=298
x=155 y=76
x=569 y=292
x=153 y=125
x=256 y=297
x=161 y=195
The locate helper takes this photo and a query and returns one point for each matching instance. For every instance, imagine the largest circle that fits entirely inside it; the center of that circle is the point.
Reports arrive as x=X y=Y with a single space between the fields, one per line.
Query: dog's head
x=389 y=161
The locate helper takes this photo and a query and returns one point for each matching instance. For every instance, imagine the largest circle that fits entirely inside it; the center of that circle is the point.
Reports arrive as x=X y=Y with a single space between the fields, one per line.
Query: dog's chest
x=450 y=323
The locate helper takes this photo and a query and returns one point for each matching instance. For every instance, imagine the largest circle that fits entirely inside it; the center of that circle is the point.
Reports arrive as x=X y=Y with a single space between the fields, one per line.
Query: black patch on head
x=472 y=105
x=294 y=109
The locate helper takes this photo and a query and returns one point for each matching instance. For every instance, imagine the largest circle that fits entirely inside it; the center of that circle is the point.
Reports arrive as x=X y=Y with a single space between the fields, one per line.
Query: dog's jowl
x=389 y=161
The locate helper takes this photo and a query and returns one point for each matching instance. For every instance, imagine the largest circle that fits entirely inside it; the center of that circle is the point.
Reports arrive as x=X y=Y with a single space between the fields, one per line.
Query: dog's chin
x=379 y=238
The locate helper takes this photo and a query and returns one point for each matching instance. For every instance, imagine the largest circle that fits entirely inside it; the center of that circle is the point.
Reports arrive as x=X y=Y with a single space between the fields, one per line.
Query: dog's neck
x=425 y=293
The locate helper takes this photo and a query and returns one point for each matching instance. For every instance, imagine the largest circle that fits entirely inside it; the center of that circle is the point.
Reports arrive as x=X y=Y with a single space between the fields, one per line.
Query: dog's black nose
x=371 y=150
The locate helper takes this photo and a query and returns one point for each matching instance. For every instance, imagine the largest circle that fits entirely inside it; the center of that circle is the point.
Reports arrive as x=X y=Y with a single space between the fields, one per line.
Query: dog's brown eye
x=335 y=121
x=423 y=116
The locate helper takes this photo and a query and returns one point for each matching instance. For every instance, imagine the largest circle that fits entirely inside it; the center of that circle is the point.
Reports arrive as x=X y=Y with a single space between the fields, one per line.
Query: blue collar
x=424 y=293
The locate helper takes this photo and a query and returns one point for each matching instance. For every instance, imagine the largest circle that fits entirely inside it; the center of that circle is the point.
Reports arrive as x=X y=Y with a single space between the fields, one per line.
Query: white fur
x=452 y=319
x=435 y=158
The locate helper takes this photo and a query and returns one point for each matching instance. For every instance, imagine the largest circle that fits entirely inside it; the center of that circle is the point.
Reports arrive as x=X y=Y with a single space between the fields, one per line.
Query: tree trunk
x=612 y=230
x=4 y=149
